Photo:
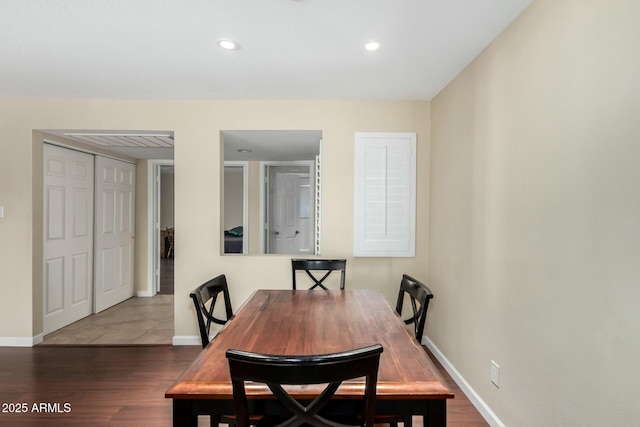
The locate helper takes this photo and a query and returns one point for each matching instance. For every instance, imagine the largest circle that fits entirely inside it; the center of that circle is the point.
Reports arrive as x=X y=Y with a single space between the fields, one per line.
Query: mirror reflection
x=271 y=192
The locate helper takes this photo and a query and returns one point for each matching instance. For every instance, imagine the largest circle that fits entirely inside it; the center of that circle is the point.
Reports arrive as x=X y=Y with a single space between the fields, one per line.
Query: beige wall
x=197 y=126
x=254 y=208
x=535 y=217
x=166 y=201
x=338 y=121
x=233 y=198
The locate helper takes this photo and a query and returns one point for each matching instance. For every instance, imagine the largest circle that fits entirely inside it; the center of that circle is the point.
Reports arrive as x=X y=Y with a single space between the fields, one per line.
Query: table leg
x=182 y=414
x=437 y=413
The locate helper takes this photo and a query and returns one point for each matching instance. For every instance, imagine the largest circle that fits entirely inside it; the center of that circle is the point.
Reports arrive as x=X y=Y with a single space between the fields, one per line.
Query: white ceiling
x=304 y=49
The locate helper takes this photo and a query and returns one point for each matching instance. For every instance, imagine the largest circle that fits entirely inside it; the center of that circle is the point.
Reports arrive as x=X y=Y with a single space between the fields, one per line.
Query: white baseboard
x=186 y=340
x=475 y=399
x=144 y=294
x=20 y=341
x=38 y=339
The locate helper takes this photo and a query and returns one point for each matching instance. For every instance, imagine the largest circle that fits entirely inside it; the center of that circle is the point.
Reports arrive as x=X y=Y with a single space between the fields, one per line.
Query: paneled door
x=115 y=238
x=284 y=213
x=68 y=236
x=290 y=209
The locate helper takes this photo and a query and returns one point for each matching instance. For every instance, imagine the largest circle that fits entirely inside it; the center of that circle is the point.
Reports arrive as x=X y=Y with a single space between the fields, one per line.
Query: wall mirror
x=271 y=192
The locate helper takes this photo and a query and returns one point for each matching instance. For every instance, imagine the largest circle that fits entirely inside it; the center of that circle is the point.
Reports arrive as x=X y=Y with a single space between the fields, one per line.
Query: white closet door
x=115 y=219
x=68 y=236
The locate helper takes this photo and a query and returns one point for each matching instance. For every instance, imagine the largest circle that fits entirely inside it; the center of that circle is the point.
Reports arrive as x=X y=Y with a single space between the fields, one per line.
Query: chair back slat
x=204 y=299
x=419 y=296
x=327 y=265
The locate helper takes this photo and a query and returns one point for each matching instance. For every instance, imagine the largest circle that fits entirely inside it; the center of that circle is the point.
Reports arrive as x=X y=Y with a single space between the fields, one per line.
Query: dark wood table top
x=315 y=322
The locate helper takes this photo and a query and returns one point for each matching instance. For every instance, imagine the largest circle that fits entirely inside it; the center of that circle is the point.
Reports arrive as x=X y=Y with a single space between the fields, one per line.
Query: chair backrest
x=204 y=298
x=169 y=242
x=420 y=296
x=328 y=265
x=278 y=370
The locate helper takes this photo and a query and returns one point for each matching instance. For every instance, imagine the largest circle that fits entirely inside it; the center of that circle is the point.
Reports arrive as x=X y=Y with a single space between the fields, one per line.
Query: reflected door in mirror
x=289 y=222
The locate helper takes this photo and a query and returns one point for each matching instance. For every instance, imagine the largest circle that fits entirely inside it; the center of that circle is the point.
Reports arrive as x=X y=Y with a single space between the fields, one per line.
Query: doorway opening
x=161 y=225
x=122 y=323
x=167 y=230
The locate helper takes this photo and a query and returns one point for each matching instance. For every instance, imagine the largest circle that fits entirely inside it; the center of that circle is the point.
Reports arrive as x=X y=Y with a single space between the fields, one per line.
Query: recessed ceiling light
x=244 y=150
x=228 y=44
x=372 y=45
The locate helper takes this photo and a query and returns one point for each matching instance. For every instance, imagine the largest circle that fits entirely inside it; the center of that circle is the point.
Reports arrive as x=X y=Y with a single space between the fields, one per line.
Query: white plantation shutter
x=385 y=196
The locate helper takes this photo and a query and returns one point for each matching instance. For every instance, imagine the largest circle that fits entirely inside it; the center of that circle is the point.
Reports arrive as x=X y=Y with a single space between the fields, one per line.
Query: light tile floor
x=136 y=321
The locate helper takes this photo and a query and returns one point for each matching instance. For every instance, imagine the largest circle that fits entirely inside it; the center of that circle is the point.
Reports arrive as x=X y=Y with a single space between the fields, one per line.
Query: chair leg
x=214 y=420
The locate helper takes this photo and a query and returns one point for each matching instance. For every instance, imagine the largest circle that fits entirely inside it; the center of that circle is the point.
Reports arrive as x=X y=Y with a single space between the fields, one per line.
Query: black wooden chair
x=420 y=296
x=328 y=265
x=170 y=240
x=204 y=298
x=278 y=370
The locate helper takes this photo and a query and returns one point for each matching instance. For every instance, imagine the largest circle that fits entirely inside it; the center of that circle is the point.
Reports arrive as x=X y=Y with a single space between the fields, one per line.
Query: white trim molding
x=475 y=399
x=186 y=340
x=21 y=341
x=144 y=294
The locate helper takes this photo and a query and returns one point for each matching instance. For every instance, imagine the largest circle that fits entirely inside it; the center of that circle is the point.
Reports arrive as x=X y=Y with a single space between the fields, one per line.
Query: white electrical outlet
x=495 y=374
x=1 y=211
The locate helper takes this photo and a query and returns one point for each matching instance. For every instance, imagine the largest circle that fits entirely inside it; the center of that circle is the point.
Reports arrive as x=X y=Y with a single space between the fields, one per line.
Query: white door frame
x=153 y=227
x=264 y=193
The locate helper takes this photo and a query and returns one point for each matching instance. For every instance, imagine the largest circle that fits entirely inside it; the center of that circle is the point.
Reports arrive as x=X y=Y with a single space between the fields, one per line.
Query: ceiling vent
x=135 y=140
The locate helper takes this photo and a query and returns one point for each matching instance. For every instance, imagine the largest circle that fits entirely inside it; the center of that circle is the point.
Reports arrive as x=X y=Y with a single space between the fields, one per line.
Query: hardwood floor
x=118 y=386
x=105 y=386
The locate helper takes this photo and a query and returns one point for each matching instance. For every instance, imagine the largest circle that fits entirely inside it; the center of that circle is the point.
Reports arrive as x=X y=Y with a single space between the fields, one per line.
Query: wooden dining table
x=303 y=322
